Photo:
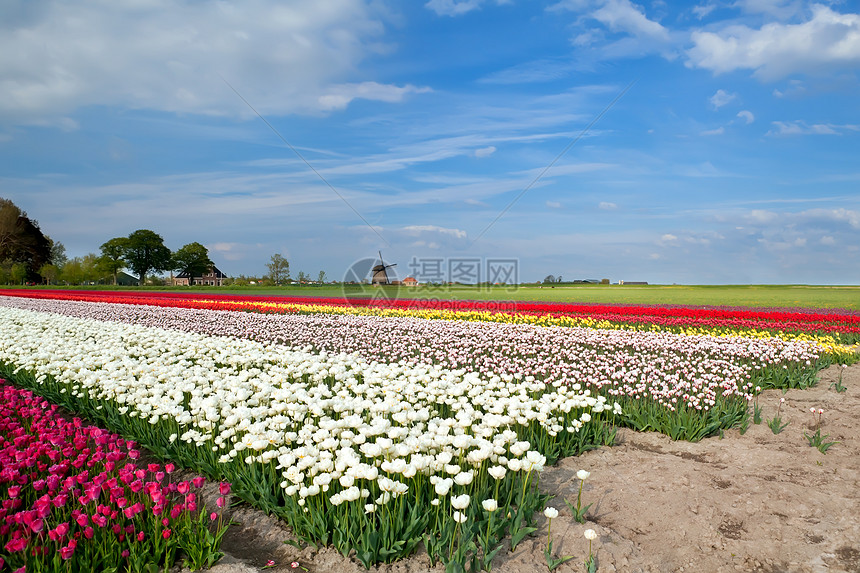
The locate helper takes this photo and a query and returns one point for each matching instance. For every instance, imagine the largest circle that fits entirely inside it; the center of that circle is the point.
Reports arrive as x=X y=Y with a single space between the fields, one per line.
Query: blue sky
x=732 y=156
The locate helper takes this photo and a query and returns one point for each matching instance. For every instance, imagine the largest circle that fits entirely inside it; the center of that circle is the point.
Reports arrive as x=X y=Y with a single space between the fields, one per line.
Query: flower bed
x=73 y=498
x=365 y=455
x=375 y=433
x=656 y=377
x=834 y=327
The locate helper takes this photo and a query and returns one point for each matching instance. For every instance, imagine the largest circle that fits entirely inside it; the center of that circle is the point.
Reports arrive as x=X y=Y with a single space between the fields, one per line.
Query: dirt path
x=753 y=502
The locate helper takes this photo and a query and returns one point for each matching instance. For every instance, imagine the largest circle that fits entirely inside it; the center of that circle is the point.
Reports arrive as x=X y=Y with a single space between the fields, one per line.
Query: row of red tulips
x=845 y=323
x=821 y=316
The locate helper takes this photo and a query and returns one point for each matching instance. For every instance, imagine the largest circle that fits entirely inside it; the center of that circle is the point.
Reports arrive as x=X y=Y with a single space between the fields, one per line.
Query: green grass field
x=729 y=295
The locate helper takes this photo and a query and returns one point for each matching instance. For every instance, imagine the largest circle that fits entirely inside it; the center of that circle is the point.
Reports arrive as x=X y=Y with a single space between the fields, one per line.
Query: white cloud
x=607 y=206
x=785 y=128
x=456 y=7
x=827 y=240
x=703 y=10
x=553 y=204
x=485 y=151
x=828 y=40
x=284 y=57
x=747 y=116
x=639 y=34
x=721 y=98
x=761 y=216
x=841 y=215
x=623 y=16
x=340 y=96
x=668 y=240
x=717 y=131
x=418 y=229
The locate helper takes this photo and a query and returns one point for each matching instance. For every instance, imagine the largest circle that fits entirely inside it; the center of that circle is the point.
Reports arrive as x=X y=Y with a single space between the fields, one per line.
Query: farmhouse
x=213 y=277
x=410 y=281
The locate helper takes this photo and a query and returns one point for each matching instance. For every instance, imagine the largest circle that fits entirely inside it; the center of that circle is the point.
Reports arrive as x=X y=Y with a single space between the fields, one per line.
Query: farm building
x=213 y=277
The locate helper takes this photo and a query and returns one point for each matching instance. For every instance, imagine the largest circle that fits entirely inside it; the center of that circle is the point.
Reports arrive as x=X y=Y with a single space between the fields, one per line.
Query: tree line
x=144 y=252
x=27 y=255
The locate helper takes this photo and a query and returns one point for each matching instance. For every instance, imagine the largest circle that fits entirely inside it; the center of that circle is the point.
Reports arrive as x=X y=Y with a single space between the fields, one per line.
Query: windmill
x=380 y=275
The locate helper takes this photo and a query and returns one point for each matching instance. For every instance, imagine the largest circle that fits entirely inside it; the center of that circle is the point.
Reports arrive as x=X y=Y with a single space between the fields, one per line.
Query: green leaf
x=519 y=534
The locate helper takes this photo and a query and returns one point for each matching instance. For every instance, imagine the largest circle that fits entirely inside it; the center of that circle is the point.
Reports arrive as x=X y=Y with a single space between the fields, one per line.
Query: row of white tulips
x=319 y=417
x=669 y=368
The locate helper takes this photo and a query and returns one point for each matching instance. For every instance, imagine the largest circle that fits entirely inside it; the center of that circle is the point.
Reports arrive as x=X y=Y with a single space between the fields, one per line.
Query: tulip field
x=370 y=426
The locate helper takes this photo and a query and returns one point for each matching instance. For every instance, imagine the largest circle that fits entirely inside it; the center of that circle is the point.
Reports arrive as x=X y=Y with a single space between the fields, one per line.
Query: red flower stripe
x=839 y=321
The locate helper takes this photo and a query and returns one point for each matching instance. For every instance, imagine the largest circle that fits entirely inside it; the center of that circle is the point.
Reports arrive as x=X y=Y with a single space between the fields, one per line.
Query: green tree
x=21 y=240
x=321 y=277
x=112 y=259
x=58 y=253
x=193 y=260
x=302 y=277
x=83 y=270
x=279 y=269
x=19 y=273
x=92 y=271
x=145 y=252
x=49 y=272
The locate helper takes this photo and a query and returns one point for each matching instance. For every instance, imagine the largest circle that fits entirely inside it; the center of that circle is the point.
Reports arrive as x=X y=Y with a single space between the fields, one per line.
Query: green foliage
x=83 y=270
x=58 y=253
x=192 y=259
x=816 y=440
x=776 y=426
x=838 y=386
x=577 y=510
x=279 y=269
x=684 y=423
x=19 y=273
x=112 y=259
x=49 y=273
x=757 y=410
x=551 y=562
x=22 y=243
x=145 y=252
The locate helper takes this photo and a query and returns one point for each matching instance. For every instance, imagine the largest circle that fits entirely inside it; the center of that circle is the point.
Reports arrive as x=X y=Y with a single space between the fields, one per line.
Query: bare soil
x=759 y=501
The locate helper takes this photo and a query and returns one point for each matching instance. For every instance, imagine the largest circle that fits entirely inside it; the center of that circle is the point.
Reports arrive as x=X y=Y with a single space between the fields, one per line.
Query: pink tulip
x=67 y=551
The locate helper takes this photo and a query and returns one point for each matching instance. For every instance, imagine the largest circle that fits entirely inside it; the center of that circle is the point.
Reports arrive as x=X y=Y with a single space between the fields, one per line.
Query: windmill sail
x=380 y=273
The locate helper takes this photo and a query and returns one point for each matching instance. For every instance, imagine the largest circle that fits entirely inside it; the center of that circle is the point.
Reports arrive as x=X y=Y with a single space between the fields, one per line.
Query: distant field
x=719 y=295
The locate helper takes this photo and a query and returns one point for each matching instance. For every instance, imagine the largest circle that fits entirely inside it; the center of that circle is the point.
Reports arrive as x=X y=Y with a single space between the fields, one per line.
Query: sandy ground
x=752 y=502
